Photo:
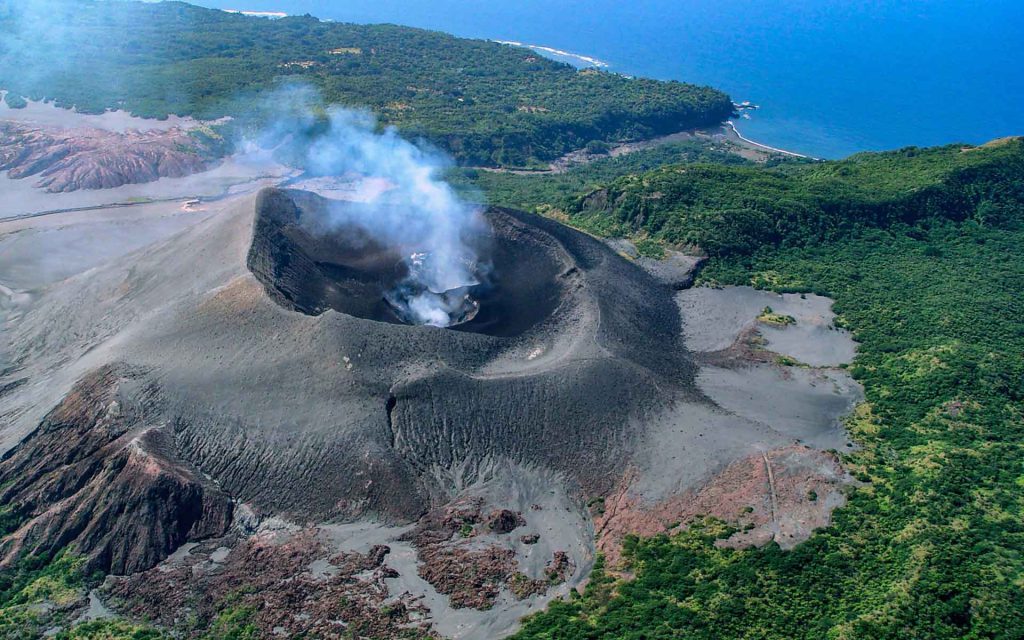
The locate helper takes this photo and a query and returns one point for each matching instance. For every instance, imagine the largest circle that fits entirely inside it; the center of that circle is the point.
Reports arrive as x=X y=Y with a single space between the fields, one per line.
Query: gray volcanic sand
x=757 y=406
x=690 y=441
x=676 y=269
x=46 y=114
x=39 y=251
x=236 y=174
x=805 y=404
x=77 y=320
x=713 y=318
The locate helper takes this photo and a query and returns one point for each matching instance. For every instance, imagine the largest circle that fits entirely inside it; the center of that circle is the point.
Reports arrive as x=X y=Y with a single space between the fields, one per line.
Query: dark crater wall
x=307 y=268
x=310 y=259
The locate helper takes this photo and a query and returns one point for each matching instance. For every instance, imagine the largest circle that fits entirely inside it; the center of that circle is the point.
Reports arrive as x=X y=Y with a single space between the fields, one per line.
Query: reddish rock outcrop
x=72 y=159
x=96 y=475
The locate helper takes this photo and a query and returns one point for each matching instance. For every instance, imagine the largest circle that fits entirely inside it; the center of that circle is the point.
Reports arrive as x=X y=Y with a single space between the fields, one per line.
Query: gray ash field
x=247 y=375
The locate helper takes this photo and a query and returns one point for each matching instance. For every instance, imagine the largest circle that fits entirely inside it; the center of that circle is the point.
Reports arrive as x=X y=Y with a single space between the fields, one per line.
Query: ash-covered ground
x=201 y=396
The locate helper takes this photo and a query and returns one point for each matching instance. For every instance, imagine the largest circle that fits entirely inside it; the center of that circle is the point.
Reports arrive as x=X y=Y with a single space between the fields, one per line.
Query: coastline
x=588 y=60
x=744 y=147
x=733 y=133
x=272 y=15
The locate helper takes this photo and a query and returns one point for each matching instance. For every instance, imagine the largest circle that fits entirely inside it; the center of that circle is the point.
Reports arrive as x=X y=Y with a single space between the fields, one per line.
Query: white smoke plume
x=418 y=213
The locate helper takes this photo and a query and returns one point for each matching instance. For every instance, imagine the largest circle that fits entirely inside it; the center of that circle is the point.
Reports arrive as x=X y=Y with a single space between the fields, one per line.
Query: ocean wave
x=259 y=14
x=731 y=125
x=589 y=60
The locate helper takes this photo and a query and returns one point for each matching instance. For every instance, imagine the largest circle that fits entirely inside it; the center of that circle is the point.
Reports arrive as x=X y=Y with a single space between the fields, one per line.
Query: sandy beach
x=732 y=133
x=551 y=51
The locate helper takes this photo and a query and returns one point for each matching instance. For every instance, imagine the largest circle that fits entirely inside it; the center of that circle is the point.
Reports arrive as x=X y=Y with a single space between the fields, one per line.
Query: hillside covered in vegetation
x=486 y=103
x=732 y=210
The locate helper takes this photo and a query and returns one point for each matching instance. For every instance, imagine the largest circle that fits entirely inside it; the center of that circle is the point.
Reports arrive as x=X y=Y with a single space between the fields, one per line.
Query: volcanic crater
x=310 y=262
x=571 y=345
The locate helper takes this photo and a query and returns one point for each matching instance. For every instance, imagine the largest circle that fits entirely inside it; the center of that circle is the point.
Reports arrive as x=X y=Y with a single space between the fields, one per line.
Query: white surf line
x=558 y=52
x=258 y=14
x=739 y=135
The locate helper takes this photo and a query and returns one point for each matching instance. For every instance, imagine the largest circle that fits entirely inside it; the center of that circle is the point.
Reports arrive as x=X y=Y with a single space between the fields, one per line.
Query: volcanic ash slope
x=249 y=360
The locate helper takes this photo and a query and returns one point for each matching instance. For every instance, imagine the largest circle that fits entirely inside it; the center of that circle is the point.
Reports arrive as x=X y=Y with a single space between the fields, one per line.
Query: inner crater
x=311 y=255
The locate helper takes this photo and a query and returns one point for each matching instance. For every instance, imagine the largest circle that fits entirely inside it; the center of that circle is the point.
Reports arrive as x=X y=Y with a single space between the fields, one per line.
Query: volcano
x=268 y=348
x=256 y=369
x=568 y=347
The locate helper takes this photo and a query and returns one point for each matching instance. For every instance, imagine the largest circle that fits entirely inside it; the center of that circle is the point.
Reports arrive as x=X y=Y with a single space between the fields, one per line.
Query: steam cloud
x=418 y=213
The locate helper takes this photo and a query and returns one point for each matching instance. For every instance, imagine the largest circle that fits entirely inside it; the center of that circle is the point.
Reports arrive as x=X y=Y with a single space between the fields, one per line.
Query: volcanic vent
x=309 y=262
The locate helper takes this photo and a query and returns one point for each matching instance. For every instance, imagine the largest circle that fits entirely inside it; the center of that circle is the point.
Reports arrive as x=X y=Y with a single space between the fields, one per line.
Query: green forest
x=487 y=104
x=540 y=192
x=730 y=207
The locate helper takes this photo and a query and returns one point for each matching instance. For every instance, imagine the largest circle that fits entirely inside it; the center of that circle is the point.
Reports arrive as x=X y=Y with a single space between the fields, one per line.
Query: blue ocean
x=831 y=77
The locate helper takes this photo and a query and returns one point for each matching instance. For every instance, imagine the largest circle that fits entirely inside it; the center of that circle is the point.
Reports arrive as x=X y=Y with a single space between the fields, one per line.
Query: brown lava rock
x=505 y=521
x=269 y=574
x=522 y=586
x=440 y=525
x=463 y=566
x=559 y=568
x=469 y=577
